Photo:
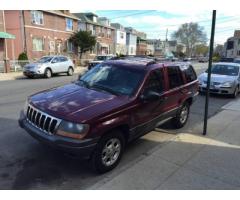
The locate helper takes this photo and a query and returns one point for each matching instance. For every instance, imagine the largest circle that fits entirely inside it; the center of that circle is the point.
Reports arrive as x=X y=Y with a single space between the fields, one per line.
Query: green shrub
x=23 y=56
x=216 y=59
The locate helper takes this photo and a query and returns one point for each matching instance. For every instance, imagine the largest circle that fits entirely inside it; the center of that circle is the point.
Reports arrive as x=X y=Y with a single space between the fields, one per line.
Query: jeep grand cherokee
x=109 y=106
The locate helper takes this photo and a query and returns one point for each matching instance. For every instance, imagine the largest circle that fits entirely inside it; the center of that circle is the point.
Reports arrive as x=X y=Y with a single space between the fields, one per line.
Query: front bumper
x=79 y=148
x=32 y=73
x=217 y=90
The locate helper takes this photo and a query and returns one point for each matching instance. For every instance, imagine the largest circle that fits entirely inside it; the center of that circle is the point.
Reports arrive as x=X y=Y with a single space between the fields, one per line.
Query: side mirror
x=53 y=61
x=150 y=96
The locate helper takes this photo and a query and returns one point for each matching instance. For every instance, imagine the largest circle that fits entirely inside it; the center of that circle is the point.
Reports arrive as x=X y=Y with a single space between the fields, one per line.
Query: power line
x=133 y=14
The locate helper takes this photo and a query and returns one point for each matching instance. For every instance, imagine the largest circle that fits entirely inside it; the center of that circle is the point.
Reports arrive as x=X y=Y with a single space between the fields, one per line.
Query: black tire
x=235 y=94
x=182 y=116
x=48 y=73
x=100 y=154
x=70 y=71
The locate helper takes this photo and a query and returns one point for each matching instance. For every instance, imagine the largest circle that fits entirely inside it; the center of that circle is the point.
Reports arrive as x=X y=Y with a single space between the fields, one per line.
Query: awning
x=6 y=35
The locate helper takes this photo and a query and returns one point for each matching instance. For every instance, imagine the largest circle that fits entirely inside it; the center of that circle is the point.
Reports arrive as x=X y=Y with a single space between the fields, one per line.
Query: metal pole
x=209 y=72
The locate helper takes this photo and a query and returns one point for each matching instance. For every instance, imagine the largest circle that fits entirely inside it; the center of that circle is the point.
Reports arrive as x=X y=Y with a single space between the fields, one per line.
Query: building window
x=37 y=17
x=69 y=24
x=69 y=46
x=121 y=35
x=38 y=44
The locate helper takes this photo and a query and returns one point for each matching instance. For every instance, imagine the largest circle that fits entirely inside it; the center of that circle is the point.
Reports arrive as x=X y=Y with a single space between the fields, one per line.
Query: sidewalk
x=19 y=75
x=190 y=161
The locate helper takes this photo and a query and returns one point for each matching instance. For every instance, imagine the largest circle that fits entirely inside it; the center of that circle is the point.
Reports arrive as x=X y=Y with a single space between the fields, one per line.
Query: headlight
x=227 y=84
x=39 y=66
x=73 y=130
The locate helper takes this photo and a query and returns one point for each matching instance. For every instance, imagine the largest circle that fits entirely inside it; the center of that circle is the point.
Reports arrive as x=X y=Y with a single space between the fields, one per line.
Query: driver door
x=149 y=112
x=55 y=64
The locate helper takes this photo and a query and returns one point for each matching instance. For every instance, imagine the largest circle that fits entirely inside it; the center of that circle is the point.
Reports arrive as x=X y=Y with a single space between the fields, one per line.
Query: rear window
x=189 y=74
x=174 y=77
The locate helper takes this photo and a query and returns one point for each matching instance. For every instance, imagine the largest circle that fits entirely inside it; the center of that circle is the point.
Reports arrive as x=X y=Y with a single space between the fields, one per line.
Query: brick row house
x=101 y=28
x=41 y=32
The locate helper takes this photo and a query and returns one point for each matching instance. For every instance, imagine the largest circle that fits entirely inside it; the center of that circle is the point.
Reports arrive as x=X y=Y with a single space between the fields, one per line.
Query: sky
x=151 y=16
x=156 y=22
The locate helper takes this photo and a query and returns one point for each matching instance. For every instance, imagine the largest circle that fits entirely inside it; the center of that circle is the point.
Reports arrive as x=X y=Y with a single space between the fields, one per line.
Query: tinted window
x=56 y=59
x=174 y=77
x=62 y=59
x=190 y=74
x=155 y=81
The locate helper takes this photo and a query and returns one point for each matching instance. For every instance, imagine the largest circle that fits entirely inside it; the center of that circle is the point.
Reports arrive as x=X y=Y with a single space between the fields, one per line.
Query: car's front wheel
x=108 y=152
x=70 y=71
x=182 y=116
x=48 y=73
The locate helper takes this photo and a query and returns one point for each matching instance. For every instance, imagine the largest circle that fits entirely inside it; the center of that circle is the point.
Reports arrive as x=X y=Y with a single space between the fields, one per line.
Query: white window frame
x=36 y=48
x=37 y=17
x=68 y=28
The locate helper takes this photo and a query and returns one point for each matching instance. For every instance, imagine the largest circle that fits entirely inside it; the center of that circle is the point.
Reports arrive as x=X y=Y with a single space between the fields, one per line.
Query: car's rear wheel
x=108 y=152
x=48 y=73
x=182 y=116
x=70 y=71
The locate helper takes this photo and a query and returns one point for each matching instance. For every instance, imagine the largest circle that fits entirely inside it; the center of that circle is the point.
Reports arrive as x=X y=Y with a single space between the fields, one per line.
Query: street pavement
x=27 y=164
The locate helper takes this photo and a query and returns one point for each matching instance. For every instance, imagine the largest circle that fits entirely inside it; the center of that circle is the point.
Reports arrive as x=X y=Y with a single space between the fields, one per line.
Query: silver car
x=49 y=65
x=225 y=79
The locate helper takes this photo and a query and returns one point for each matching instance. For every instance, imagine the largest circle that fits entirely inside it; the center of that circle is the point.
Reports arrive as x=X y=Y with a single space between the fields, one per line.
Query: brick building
x=101 y=28
x=141 y=43
x=41 y=32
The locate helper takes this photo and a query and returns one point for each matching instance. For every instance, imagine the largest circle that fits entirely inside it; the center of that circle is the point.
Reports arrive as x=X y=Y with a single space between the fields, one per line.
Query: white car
x=99 y=59
x=49 y=65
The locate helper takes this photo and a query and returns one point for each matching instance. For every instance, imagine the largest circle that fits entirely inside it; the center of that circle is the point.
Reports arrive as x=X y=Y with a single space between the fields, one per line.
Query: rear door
x=175 y=85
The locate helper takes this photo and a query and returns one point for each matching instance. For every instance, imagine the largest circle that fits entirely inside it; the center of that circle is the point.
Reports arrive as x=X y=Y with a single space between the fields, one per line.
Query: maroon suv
x=110 y=105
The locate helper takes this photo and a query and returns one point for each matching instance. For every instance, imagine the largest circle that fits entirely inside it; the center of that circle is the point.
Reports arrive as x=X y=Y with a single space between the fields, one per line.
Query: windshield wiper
x=101 y=87
x=85 y=83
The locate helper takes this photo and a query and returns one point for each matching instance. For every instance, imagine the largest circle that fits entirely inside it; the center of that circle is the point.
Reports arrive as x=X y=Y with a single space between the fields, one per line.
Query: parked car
x=187 y=59
x=203 y=59
x=109 y=106
x=99 y=59
x=225 y=79
x=49 y=65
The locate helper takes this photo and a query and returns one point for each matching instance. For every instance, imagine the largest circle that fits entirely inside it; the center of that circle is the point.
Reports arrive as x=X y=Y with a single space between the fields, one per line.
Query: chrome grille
x=41 y=120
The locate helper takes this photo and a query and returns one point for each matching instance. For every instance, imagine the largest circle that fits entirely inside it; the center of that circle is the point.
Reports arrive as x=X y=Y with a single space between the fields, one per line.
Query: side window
x=63 y=59
x=155 y=82
x=56 y=60
x=174 y=77
x=190 y=74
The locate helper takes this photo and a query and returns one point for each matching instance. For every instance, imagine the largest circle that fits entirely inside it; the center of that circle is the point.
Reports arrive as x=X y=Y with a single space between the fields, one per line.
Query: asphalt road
x=27 y=164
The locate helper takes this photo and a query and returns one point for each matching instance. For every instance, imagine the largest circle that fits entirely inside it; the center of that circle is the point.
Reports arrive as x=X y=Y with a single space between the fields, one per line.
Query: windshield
x=112 y=79
x=229 y=70
x=45 y=59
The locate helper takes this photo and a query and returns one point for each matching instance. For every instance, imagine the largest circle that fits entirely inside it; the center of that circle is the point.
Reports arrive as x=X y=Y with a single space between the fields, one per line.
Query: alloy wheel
x=111 y=151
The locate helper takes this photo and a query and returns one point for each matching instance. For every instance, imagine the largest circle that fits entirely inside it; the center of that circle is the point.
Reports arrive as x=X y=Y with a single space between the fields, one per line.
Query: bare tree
x=190 y=34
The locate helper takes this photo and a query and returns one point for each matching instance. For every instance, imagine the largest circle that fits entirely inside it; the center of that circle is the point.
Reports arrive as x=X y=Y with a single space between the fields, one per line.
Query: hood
x=217 y=78
x=75 y=103
x=33 y=65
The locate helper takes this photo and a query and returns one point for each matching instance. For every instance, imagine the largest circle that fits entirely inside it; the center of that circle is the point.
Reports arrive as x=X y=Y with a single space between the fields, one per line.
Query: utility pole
x=209 y=72
x=165 y=41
